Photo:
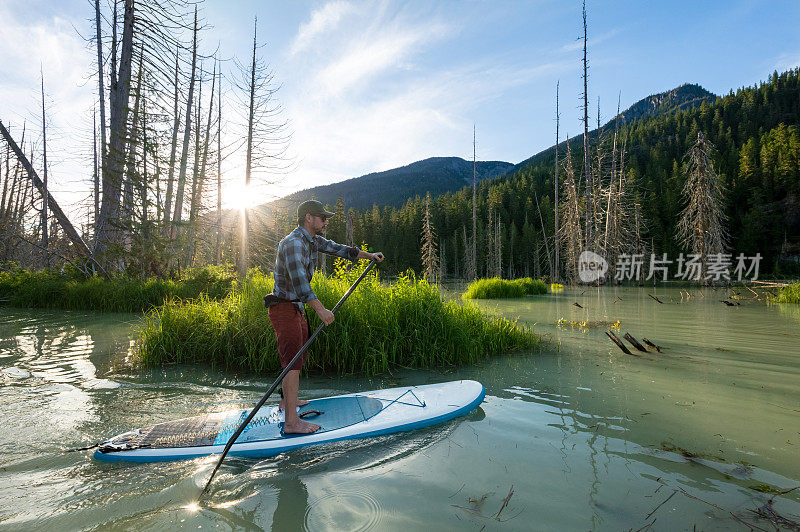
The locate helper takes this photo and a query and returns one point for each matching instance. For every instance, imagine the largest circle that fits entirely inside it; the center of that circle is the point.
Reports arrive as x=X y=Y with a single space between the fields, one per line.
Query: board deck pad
x=217 y=429
x=357 y=415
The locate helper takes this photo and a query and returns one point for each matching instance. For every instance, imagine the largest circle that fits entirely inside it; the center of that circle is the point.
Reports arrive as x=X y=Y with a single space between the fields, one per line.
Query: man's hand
x=325 y=315
x=378 y=256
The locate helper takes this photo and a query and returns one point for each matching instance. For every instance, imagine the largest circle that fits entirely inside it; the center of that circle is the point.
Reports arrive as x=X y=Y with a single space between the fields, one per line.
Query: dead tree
x=586 y=164
x=571 y=238
x=45 y=194
x=217 y=256
x=556 y=263
x=120 y=96
x=102 y=94
x=173 y=148
x=266 y=139
x=199 y=181
x=701 y=227
x=176 y=217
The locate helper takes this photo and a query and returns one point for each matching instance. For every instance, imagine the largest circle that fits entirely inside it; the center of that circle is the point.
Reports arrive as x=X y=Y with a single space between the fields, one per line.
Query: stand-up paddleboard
x=358 y=415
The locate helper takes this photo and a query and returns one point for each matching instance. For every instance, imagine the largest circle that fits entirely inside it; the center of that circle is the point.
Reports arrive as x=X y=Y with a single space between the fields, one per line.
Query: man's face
x=318 y=223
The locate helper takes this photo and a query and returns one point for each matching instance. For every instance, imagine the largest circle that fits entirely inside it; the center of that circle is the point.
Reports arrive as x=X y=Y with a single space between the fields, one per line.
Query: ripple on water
x=350 y=508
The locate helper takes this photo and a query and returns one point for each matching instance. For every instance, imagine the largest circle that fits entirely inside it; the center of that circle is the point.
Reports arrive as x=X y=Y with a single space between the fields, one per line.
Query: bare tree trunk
x=217 y=256
x=96 y=176
x=102 y=93
x=120 y=95
x=175 y=125
x=556 y=262
x=586 y=165
x=127 y=201
x=5 y=183
x=197 y=191
x=176 y=217
x=144 y=182
x=45 y=193
x=244 y=259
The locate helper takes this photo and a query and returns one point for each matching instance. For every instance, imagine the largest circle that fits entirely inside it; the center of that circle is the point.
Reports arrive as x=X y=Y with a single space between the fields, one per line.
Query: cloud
x=592 y=41
x=323 y=19
x=375 y=52
x=784 y=62
x=53 y=45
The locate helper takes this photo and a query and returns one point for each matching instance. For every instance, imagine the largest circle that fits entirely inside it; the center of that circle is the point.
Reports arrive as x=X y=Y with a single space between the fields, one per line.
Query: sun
x=240 y=196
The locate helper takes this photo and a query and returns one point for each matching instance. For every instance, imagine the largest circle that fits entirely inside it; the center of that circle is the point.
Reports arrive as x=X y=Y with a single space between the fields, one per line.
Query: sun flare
x=240 y=196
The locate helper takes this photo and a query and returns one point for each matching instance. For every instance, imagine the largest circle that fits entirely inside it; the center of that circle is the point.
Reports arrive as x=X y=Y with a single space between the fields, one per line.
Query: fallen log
x=619 y=343
x=62 y=219
x=634 y=342
x=650 y=344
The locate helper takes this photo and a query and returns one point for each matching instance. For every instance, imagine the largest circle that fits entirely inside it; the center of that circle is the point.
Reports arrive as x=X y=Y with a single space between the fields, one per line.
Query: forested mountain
x=686 y=96
x=757 y=155
x=436 y=175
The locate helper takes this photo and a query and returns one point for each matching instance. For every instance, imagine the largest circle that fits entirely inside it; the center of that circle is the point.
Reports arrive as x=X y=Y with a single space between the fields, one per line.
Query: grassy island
x=379 y=328
x=70 y=289
x=497 y=288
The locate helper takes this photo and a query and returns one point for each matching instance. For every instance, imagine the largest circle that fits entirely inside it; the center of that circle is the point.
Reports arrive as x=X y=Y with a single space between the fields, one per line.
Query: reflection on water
x=576 y=436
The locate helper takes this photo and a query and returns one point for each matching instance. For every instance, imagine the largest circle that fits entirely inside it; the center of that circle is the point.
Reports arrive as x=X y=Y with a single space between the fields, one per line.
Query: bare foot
x=300 y=427
x=300 y=402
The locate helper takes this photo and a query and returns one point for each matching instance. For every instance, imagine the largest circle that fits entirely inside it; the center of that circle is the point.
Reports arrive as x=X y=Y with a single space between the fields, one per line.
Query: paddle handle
x=281 y=376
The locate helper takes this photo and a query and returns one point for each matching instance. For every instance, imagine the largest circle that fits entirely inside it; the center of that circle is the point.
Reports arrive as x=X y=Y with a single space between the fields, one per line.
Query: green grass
x=380 y=327
x=789 y=294
x=70 y=290
x=496 y=288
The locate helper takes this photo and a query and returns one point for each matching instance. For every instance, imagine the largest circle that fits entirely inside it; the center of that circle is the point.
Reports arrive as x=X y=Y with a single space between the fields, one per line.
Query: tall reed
x=379 y=328
x=497 y=288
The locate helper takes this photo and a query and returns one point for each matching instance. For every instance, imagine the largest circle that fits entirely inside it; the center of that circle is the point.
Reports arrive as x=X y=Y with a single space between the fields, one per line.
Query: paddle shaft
x=280 y=378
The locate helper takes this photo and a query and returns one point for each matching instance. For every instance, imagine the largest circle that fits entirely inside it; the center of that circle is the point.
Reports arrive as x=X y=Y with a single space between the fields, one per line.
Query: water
x=589 y=437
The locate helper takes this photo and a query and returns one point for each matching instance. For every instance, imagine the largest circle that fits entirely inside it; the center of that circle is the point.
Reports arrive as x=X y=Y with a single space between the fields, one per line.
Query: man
x=294 y=268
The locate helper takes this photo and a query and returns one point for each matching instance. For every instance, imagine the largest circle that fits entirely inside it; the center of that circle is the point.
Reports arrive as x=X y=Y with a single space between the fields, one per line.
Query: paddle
x=280 y=378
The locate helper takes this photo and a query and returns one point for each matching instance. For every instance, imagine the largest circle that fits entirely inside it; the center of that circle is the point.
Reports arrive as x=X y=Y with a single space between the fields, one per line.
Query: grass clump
x=496 y=288
x=69 y=289
x=379 y=328
x=789 y=294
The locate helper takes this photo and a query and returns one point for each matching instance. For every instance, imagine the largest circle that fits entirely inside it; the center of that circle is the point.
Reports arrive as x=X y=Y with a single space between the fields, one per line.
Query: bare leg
x=293 y=423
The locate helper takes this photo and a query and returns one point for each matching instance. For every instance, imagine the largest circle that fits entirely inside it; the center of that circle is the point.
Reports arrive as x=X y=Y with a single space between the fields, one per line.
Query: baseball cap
x=312 y=207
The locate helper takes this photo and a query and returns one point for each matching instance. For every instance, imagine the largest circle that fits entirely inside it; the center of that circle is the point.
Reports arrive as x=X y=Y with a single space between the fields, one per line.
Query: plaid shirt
x=294 y=265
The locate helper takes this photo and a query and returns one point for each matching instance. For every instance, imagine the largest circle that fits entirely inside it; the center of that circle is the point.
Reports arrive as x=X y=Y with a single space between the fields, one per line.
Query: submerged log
x=619 y=343
x=577 y=304
x=651 y=345
x=634 y=342
x=654 y=297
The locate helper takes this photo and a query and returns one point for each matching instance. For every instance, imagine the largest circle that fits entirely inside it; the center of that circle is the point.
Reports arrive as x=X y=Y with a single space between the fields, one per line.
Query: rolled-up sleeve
x=332 y=248
x=296 y=271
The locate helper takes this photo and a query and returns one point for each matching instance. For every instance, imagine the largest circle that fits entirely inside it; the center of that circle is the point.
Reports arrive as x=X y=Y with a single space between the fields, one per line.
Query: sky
x=371 y=85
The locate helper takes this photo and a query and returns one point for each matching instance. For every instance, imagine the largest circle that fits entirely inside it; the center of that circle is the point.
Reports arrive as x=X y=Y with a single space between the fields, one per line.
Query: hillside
x=684 y=97
x=436 y=175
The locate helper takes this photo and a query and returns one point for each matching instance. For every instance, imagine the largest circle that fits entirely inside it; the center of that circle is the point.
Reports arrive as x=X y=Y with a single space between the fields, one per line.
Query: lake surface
x=587 y=436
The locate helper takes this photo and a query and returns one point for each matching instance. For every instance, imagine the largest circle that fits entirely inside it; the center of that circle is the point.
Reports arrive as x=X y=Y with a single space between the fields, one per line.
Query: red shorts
x=291 y=330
